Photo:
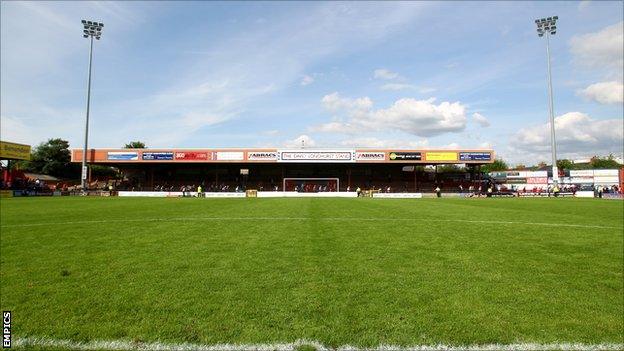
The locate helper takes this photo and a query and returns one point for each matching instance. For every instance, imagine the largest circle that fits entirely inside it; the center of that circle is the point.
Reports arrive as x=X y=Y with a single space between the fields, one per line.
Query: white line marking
x=191 y=219
x=128 y=345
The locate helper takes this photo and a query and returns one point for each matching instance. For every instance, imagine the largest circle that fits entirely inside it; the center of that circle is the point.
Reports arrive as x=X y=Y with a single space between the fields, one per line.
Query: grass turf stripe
x=190 y=219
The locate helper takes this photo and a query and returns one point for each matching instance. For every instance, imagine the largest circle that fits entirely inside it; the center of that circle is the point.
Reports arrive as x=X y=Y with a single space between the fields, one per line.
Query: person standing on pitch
x=438 y=191
x=199 y=191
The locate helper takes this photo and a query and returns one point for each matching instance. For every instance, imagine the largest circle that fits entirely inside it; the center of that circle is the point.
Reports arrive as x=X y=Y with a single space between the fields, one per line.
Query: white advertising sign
x=230 y=155
x=262 y=156
x=397 y=195
x=370 y=156
x=606 y=173
x=582 y=173
x=122 y=155
x=316 y=156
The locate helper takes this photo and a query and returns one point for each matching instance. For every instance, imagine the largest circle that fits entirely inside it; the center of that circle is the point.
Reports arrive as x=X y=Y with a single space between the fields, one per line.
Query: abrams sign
x=370 y=156
x=262 y=156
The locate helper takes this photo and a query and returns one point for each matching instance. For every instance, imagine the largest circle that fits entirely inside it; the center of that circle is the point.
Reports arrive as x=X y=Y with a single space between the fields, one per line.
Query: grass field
x=360 y=272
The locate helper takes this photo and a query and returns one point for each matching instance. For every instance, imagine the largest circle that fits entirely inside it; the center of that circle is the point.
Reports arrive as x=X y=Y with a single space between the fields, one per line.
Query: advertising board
x=475 y=156
x=441 y=156
x=316 y=156
x=14 y=151
x=230 y=155
x=193 y=156
x=122 y=155
x=262 y=155
x=397 y=195
x=157 y=156
x=370 y=156
x=537 y=180
x=404 y=156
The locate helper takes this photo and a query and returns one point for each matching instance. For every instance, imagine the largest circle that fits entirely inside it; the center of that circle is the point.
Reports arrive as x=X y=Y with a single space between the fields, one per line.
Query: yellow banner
x=12 y=151
x=6 y=193
x=441 y=156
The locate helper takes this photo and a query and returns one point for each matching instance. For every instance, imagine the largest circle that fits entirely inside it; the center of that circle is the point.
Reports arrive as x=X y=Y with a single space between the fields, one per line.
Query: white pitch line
x=129 y=345
x=353 y=219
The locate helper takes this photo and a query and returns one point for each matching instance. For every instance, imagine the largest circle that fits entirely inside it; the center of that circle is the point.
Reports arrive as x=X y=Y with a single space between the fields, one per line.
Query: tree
x=520 y=166
x=604 y=163
x=135 y=145
x=53 y=158
x=497 y=165
x=565 y=164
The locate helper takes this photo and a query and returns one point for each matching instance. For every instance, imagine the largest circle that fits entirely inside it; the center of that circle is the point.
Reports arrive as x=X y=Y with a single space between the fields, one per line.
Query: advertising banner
x=582 y=173
x=230 y=155
x=193 y=156
x=157 y=156
x=537 y=180
x=606 y=173
x=405 y=156
x=316 y=156
x=441 y=156
x=397 y=195
x=14 y=151
x=122 y=156
x=370 y=156
x=475 y=156
x=262 y=155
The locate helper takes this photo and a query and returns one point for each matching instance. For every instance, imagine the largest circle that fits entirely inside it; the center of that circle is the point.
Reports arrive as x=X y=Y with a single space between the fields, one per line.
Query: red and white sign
x=537 y=180
x=370 y=156
x=193 y=156
x=230 y=155
x=262 y=156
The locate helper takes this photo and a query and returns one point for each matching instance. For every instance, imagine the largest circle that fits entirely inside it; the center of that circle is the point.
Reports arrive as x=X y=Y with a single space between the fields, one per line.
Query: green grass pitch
x=362 y=272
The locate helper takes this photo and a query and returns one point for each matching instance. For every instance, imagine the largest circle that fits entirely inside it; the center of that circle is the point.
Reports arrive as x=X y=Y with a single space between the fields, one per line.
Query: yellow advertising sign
x=441 y=156
x=13 y=151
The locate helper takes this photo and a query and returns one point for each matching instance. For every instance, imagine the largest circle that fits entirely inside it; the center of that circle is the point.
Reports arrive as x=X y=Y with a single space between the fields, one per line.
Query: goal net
x=311 y=185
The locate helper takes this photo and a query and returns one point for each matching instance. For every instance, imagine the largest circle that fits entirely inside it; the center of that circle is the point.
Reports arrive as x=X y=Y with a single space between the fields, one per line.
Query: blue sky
x=335 y=74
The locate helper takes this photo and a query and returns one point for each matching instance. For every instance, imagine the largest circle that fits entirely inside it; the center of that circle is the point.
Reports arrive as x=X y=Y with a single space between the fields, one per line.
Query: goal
x=311 y=185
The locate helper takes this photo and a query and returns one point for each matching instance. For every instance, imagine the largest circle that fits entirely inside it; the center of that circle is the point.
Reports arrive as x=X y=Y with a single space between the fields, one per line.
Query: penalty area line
x=130 y=345
x=337 y=219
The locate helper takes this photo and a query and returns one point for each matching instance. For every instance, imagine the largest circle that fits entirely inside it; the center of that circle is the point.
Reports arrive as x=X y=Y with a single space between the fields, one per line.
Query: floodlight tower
x=91 y=30
x=548 y=26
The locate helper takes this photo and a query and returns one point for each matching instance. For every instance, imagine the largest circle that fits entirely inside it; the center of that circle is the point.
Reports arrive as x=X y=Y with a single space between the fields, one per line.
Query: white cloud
x=480 y=119
x=334 y=103
x=583 y=4
x=576 y=134
x=307 y=80
x=300 y=141
x=397 y=86
x=602 y=49
x=418 y=117
x=604 y=92
x=385 y=74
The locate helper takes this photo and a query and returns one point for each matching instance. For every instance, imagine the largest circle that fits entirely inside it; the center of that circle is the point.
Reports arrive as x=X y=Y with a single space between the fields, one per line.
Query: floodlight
x=84 y=21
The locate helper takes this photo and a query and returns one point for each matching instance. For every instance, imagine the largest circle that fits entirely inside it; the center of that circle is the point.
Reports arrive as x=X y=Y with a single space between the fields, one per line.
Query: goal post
x=311 y=185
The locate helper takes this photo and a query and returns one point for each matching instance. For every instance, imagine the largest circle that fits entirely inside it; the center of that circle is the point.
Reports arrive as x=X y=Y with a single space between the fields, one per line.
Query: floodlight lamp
x=536 y=21
x=84 y=35
x=101 y=24
x=553 y=32
x=84 y=21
